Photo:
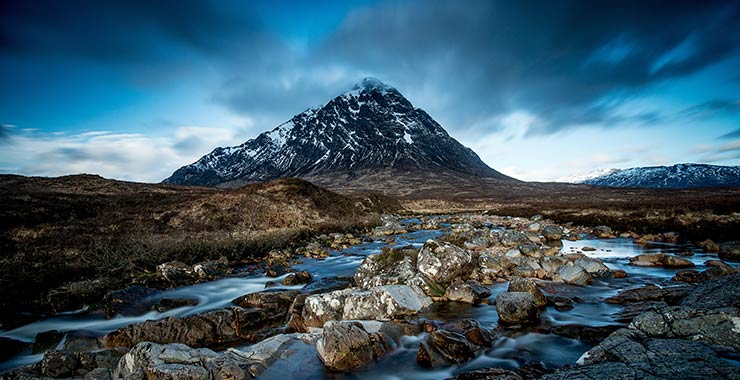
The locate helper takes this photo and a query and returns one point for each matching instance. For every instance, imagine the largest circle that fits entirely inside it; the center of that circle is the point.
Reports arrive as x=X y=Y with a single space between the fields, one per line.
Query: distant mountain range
x=369 y=131
x=677 y=176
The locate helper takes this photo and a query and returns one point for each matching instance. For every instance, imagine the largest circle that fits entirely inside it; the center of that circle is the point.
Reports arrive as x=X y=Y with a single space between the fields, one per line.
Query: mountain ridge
x=678 y=176
x=372 y=127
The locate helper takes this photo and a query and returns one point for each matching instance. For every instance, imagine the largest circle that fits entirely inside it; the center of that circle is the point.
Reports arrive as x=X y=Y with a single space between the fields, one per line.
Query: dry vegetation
x=58 y=230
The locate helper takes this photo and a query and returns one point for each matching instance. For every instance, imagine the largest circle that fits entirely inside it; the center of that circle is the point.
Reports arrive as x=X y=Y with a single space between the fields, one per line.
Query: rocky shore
x=683 y=327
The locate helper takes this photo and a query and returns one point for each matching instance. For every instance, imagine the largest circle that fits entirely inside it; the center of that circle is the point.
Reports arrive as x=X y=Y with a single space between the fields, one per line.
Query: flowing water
x=302 y=362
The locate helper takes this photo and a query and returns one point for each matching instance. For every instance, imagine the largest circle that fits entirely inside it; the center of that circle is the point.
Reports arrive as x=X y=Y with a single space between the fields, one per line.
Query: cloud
x=731 y=135
x=5 y=132
x=726 y=152
x=114 y=155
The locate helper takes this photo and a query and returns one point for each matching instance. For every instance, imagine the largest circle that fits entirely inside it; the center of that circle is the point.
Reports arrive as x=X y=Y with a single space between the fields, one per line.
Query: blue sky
x=540 y=90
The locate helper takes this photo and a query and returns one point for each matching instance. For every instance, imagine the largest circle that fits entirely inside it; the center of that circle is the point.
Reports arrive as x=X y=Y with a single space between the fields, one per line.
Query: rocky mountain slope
x=372 y=128
x=675 y=177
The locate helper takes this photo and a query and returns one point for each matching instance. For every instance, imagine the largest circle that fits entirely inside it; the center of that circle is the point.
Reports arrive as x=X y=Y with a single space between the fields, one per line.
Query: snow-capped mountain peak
x=579 y=178
x=675 y=176
x=372 y=127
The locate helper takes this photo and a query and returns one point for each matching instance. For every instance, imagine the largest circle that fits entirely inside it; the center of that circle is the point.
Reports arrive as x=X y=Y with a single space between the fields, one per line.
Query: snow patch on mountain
x=675 y=176
x=584 y=177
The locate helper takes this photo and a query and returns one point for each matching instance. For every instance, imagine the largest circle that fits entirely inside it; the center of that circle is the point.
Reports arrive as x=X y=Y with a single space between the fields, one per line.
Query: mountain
x=584 y=177
x=368 y=130
x=678 y=176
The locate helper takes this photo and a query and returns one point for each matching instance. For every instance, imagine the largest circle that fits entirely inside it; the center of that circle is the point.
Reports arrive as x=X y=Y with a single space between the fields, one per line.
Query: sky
x=541 y=90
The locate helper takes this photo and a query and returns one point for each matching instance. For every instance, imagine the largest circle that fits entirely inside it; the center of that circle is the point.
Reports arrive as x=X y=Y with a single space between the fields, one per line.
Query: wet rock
x=131 y=301
x=11 y=347
x=47 y=340
x=676 y=262
x=708 y=326
x=176 y=273
x=671 y=295
x=469 y=291
x=630 y=311
x=381 y=302
x=390 y=267
x=276 y=270
x=328 y=284
x=75 y=294
x=718 y=293
x=275 y=301
x=590 y=335
x=561 y=303
x=260 y=356
x=454 y=342
x=552 y=232
x=630 y=354
x=573 y=274
x=177 y=361
x=518 y=284
x=588 y=249
x=211 y=328
x=688 y=276
x=603 y=232
x=648 y=260
x=211 y=269
x=534 y=227
x=516 y=308
x=443 y=263
x=99 y=374
x=167 y=304
x=730 y=250
x=82 y=341
x=709 y=246
x=346 y=346
x=488 y=374
x=620 y=274
x=58 y=364
x=302 y=277
x=594 y=267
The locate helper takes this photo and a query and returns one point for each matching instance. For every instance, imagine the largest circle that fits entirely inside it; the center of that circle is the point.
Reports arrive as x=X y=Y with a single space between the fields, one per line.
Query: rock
x=167 y=304
x=517 y=308
x=260 y=356
x=718 y=293
x=346 y=346
x=454 y=342
x=99 y=374
x=177 y=361
x=630 y=311
x=552 y=232
x=689 y=276
x=302 y=277
x=327 y=284
x=215 y=327
x=443 y=263
x=730 y=250
x=390 y=267
x=620 y=274
x=671 y=294
x=648 y=260
x=588 y=249
x=275 y=270
x=594 y=267
x=75 y=364
x=11 y=347
x=211 y=269
x=275 y=301
x=590 y=335
x=47 y=340
x=131 y=301
x=176 y=273
x=709 y=246
x=488 y=374
x=534 y=227
x=676 y=262
x=708 y=326
x=630 y=354
x=469 y=291
x=603 y=232
x=518 y=284
x=560 y=303
x=574 y=274
x=511 y=238
x=83 y=341
x=381 y=303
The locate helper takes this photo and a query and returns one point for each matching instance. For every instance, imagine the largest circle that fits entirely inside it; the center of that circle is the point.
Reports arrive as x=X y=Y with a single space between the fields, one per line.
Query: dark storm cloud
x=559 y=60
x=119 y=30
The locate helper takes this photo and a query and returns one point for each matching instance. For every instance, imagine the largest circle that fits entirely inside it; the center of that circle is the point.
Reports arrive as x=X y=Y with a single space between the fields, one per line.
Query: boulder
x=76 y=364
x=603 y=232
x=552 y=233
x=346 y=346
x=648 y=260
x=167 y=304
x=709 y=246
x=47 y=340
x=302 y=277
x=469 y=291
x=573 y=274
x=131 y=301
x=594 y=267
x=518 y=284
x=709 y=326
x=718 y=293
x=670 y=261
x=177 y=361
x=443 y=263
x=511 y=238
x=276 y=301
x=381 y=303
x=211 y=269
x=516 y=308
x=390 y=267
x=176 y=273
x=730 y=250
x=454 y=342
x=670 y=294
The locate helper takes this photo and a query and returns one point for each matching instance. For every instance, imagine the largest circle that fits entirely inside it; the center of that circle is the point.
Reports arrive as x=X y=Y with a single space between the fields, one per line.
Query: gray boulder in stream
x=444 y=263
x=379 y=303
x=346 y=345
x=515 y=308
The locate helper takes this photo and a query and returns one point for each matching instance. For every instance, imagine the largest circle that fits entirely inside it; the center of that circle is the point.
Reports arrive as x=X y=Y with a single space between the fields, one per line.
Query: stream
x=509 y=352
